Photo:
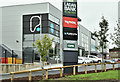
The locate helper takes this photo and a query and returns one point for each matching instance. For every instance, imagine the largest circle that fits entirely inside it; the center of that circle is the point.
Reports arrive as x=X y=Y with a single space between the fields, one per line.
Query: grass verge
x=109 y=75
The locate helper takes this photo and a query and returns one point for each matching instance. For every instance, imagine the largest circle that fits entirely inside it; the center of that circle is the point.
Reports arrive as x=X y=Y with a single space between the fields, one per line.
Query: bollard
x=95 y=68
x=113 y=67
x=47 y=74
x=30 y=75
x=11 y=76
x=61 y=72
x=74 y=70
x=85 y=69
x=105 y=67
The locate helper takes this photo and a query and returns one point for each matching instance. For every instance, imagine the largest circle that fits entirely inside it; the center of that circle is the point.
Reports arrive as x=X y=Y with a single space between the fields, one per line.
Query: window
x=28 y=37
x=85 y=41
x=54 y=19
x=79 y=59
x=54 y=28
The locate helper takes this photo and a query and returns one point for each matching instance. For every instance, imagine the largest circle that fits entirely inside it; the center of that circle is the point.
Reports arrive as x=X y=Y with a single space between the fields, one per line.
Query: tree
x=115 y=37
x=43 y=46
x=102 y=35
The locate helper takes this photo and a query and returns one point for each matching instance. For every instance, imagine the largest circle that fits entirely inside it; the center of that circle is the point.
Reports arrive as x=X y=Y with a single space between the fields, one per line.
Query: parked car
x=116 y=60
x=87 y=60
x=84 y=60
x=94 y=58
x=109 y=61
x=81 y=60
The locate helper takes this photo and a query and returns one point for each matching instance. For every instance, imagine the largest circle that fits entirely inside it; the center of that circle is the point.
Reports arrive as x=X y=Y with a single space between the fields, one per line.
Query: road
x=50 y=72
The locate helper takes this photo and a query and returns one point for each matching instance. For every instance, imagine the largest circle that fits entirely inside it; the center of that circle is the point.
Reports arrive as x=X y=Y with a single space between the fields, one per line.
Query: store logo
x=70 y=22
x=69 y=0
x=70 y=7
x=69 y=45
x=37 y=27
x=52 y=28
x=71 y=34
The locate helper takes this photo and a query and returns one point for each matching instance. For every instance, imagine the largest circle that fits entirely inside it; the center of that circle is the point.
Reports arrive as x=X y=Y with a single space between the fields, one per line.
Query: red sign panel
x=70 y=22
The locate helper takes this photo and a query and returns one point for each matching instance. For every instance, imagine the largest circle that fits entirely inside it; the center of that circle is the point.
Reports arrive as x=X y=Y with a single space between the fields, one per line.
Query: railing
x=60 y=68
x=6 y=48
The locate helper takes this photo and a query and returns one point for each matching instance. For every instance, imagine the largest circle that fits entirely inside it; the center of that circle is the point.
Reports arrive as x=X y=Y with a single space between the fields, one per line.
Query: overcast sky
x=90 y=11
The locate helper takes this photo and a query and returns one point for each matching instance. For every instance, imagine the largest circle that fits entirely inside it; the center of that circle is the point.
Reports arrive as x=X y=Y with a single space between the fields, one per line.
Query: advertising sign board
x=70 y=45
x=69 y=33
x=70 y=8
x=70 y=55
x=70 y=22
x=31 y=24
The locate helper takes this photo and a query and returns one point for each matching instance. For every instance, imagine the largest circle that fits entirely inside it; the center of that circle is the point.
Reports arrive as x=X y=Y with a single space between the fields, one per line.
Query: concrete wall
x=0 y=26
x=7 y=68
x=12 y=23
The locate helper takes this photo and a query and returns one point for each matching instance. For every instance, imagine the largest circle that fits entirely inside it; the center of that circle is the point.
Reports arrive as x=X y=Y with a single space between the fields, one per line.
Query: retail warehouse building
x=21 y=25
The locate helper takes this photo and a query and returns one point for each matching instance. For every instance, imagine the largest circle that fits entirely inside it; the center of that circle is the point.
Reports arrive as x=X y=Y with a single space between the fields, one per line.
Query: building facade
x=86 y=42
x=114 y=53
x=119 y=20
x=21 y=25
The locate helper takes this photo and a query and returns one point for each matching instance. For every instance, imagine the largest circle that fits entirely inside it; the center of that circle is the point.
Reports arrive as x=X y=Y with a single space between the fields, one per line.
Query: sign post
x=70 y=34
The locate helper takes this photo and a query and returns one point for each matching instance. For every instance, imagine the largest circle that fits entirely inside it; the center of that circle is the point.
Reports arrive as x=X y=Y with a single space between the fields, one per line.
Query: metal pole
x=12 y=56
x=23 y=58
x=5 y=56
x=32 y=56
x=57 y=52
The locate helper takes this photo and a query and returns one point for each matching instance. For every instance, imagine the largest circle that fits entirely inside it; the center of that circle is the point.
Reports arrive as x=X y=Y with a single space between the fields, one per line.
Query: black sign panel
x=32 y=23
x=69 y=57
x=70 y=9
x=69 y=29
x=69 y=33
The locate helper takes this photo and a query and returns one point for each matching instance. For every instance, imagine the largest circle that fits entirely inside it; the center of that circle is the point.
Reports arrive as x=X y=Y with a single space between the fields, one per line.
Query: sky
x=90 y=11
